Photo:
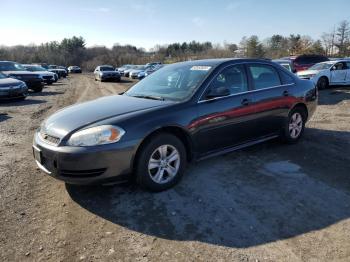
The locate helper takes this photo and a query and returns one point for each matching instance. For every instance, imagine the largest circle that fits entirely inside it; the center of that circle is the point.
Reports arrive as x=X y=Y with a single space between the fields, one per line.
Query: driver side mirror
x=218 y=92
x=333 y=68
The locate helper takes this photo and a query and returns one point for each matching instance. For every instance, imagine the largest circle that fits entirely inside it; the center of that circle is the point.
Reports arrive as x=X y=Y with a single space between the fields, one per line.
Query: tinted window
x=286 y=79
x=310 y=59
x=340 y=66
x=233 y=78
x=264 y=76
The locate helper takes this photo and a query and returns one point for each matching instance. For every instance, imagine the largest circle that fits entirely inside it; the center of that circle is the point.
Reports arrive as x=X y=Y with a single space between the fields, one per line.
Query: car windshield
x=11 y=66
x=321 y=66
x=175 y=82
x=106 y=68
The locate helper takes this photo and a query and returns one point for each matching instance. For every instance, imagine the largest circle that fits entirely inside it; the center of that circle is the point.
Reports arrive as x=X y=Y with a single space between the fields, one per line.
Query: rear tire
x=322 y=83
x=161 y=163
x=294 y=125
x=37 y=89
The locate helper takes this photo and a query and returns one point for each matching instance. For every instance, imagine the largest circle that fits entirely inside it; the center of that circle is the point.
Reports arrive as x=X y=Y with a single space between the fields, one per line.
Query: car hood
x=6 y=82
x=78 y=116
x=44 y=73
x=308 y=72
x=137 y=71
x=18 y=73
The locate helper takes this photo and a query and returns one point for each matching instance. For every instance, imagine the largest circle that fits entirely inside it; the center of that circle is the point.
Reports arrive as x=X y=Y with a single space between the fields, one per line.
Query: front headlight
x=99 y=135
x=23 y=86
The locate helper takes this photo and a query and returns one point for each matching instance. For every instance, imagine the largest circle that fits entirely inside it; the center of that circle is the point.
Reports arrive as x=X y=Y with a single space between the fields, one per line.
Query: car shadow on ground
x=126 y=80
x=46 y=93
x=255 y=196
x=26 y=102
x=4 y=117
x=334 y=95
x=58 y=84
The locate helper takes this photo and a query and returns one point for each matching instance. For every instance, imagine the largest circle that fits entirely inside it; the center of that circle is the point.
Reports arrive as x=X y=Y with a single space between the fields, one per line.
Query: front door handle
x=286 y=93
x=246 y=101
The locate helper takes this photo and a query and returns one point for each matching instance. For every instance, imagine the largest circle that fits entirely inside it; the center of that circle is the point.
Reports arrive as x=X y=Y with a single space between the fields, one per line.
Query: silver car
x=106 y=72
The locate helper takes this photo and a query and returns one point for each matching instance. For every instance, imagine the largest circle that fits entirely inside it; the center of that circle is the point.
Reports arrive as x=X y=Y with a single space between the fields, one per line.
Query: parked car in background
x=135 y=72
x=11 y=88
x=106 y=72
x=304 y=62
x=46 y=66
x=64 y=68
x=74 y=69
x=184 y=111
x=11 y=69
x=123 y=68
x=127 y=71
x=48 y=77
x=153 y=64
x=149 y=71
x=286 y=63
x=60 y=71
x=328 y=73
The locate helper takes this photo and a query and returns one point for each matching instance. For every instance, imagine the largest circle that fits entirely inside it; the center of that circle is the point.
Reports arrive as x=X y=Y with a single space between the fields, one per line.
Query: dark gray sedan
x=182 y=112
x=11 y=88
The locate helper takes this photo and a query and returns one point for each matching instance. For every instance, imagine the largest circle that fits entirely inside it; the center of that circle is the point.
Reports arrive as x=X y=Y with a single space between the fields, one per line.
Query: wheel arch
x=303 y=107
x=177 y=131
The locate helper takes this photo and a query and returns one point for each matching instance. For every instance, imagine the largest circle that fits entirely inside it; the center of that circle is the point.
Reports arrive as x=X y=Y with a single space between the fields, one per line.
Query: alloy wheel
x=295 y=125
x=164 y=164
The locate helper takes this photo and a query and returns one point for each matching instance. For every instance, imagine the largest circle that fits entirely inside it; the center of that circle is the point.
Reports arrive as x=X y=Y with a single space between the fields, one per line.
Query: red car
x=304 y=62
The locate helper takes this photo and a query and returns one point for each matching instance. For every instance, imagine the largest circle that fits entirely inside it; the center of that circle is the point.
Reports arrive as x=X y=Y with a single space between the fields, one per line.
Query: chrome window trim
x=246 y=92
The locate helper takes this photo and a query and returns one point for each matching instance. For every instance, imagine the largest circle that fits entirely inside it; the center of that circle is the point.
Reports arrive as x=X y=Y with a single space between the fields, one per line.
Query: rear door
x=347 y=79
x=338 y=73
x=273 y=96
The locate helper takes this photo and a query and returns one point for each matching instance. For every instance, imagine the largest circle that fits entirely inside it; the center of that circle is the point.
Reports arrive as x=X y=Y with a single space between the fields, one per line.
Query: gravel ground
x=270 y=202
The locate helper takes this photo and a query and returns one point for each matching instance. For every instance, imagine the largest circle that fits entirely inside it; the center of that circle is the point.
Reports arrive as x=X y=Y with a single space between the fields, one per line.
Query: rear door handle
x=246 y=101
x=286 y=93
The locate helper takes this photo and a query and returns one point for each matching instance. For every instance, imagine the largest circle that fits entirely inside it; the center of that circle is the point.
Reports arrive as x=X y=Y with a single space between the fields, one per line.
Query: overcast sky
x=145 y=23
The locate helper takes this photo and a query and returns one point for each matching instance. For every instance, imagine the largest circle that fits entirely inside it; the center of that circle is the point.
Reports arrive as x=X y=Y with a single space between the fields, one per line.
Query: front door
x=338 y=73
x=226 y=120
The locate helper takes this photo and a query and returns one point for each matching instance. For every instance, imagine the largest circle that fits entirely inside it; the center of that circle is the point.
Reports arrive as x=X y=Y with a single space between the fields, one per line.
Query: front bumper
x=85 y=165
x=110 y=77
x=34 y=83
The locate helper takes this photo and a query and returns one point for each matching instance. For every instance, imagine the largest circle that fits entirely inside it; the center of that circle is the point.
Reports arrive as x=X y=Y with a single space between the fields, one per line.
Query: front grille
x=82 y=173
x=47 y=77
x=50 y=139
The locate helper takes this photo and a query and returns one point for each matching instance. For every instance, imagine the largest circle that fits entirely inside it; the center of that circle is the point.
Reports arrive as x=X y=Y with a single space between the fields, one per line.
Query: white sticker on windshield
x=200 y=68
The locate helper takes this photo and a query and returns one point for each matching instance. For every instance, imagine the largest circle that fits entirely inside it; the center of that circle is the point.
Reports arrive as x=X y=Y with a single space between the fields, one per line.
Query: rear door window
x=264 y=76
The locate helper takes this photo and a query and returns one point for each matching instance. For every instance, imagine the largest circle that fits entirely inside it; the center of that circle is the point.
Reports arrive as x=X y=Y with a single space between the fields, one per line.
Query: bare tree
x=343 y=37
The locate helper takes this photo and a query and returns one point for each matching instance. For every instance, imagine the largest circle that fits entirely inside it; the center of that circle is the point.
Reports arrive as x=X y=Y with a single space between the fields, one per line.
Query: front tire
x=322 y=83
x=294 y=126
x=161 y=163
x=37 y=89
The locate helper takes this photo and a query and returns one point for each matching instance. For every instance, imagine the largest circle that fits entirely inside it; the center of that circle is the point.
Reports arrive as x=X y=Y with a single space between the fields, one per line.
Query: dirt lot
x=271 y=202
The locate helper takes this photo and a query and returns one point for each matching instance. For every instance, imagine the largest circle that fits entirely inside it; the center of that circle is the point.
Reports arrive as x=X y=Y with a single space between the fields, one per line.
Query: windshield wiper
x=149 y=97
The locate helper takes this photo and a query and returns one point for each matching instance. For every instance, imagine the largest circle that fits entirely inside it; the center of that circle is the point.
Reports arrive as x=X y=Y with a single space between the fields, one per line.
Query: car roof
x=282 y=61
x=218 y=61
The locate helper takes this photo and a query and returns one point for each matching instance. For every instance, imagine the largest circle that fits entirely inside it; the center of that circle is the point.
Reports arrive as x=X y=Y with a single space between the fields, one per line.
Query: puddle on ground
x=282 y=169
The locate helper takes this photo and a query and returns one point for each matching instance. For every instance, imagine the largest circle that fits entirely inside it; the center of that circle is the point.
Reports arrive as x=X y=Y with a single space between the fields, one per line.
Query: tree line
x=73 y=51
